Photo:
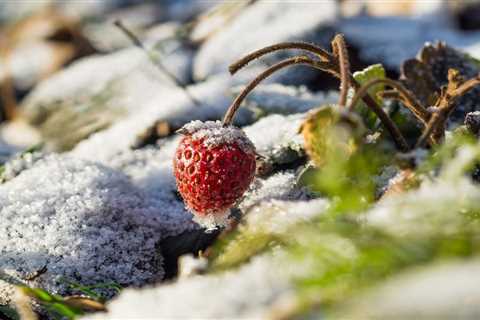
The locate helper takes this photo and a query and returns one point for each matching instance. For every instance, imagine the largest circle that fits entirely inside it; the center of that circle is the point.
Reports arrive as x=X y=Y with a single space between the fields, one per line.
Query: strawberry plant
x=215 y=162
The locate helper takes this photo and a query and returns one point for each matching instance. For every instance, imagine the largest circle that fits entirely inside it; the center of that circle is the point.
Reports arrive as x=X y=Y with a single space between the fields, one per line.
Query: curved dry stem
x=340 y=51
x=297 y=60
x=321 y=53
x=430 y=128
x=406 y=97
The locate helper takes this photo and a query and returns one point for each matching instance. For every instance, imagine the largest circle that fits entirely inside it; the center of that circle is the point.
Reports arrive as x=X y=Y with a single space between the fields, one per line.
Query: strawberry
x=214 y=166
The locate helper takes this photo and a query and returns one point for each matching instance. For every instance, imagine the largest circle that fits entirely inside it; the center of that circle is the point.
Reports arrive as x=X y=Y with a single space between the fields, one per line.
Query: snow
x=244 y=293
x=433 y=208
x=278 y=98
x=98 y=91
x=91 y=75
x=392 y=40
x=252 y=290
x=151 y=170
x=448 y=290
x=263 y=23
x=164 y=105
x=277 y=216
x=279 y=186
x=276 y=137
x=83 y=221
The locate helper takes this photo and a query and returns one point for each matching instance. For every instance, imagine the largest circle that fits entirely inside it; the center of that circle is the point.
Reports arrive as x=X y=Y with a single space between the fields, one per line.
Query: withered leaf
x=428 y=73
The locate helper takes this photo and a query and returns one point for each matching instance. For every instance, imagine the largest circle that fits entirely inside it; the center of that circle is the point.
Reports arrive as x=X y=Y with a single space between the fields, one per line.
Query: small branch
x=467 y=86
x=136 y=41
x=340 y=51
x=435 y=120
x=321 y=53
x=297 y=60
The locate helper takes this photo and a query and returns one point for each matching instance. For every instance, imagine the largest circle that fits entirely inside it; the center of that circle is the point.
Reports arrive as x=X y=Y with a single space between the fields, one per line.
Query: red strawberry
x=214 y=166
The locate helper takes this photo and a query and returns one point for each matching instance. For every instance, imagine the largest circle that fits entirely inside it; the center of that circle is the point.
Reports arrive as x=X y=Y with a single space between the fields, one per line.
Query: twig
x=156 y=61
x=405 y=96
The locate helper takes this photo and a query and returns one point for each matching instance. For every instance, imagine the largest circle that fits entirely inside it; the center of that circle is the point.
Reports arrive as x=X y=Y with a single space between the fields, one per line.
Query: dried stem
x=405 y=96
x=445 y=106
x=321 y=53
x=340 y=52
x=327 y=63
x=430 y=128
x=467 y=86
x=138 y=43
x=297 y=60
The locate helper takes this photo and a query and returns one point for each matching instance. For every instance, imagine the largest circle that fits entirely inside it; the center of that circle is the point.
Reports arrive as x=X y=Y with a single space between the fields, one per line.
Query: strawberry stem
x=340 y=52
x=227 y=120
x=326 y=62
x=321 y=53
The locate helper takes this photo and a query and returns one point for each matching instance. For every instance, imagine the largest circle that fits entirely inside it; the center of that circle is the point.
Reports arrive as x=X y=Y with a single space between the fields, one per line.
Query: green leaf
x=64 y=310
x=39 y=294
x=53 y=303
x=90 y=290
x=372 y=72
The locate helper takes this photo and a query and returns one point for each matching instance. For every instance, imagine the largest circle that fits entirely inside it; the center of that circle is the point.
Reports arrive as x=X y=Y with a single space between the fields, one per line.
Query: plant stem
x=406 y=97
x=327 y=63
x=321 y=53
x=340 y=52
x=446 y=105
x=297 y=60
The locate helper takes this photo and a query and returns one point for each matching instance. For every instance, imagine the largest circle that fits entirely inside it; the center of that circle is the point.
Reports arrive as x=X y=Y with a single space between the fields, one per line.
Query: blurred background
x=195 y=40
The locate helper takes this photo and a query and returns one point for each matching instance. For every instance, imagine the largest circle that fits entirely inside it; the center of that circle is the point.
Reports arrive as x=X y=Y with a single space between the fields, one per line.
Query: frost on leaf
x=370 y=73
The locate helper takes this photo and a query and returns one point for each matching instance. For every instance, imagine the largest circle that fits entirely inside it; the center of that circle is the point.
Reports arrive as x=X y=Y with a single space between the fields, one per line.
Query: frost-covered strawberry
x=214 y=166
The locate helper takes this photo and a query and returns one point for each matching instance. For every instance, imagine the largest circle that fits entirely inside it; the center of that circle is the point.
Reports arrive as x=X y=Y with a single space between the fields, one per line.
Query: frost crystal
x=19 y=163
x=276 y=137
x=214 y=134
x=82 y=221
x=150 y=169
